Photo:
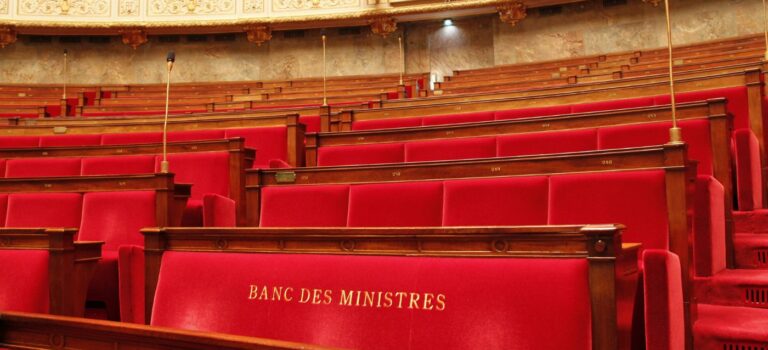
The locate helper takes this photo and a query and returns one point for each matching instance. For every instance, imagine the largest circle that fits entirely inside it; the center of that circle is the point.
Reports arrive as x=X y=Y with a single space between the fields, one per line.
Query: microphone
x=64 y=90
x=170 y=59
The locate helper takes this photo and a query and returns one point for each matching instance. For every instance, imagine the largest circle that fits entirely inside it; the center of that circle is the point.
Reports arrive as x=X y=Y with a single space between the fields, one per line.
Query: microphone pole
x=164 y=164
x=64 y=93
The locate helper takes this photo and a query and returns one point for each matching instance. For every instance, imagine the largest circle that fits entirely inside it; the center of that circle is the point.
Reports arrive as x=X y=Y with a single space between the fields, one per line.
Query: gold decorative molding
x=383 y=25
x=96 y=8
x=134 y=37
x=512 y=12
x=258 y=34
x=293 y=5
x=253 y=6
x=7 y=36
x=190 y=7
x=3 y=6
x=655 y=3
x=128 y=8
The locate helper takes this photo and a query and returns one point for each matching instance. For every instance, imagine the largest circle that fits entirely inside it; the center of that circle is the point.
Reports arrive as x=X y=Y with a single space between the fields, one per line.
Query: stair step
x=755 y=221
x=730 y=328
x=751 y=250
x=737 y=287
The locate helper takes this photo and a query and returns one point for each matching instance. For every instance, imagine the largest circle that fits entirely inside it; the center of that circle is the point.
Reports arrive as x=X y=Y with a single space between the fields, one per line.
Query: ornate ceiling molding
x=383 y=25
x=134 y=37
x=7 y=36
x=258 y=34
x=512 y=12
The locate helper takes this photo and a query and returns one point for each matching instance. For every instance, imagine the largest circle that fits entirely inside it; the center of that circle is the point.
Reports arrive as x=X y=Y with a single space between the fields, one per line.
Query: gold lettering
x=346 y=298
x=277 y=293
x=440 y=302
x=400 y=301
x=263 y=295
x=316 y=294
x=428 y=301
x=254 y=292
x=327 y=297
x=378 y=300
x=388 y=299
x=414 y=303
x=357 y=300
x=305 y=295
x=368 y=298
x=286 y=295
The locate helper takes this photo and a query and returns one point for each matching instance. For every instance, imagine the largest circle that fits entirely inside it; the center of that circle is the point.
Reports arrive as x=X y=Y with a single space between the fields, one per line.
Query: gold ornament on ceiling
x=383 y=25
x=512 y=12
x=134 y=37
x=7 y=36
x=258 y=33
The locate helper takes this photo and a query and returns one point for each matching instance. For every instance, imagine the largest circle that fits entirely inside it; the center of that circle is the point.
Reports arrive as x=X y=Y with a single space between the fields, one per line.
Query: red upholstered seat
x=131 y=138
x=695 y=132
x=361 y=154
x=130 y=263
x=44 y=210
x=501 y=201
x=311 y=122
x=24 y=280
x=396 y=204
x=547 y=142
x=218 y=211
x=42 y=167
x=458 y=118
x=304 y=206
x=70 y=140
x=533 y=112
x=269 y=143
x=709 y=226
x=737 y=101
x=637 y=199
x=19 y=141
x=749 y=183
x=663 y=293
x=115 y=218
x=388 y=123
x=140 y=164
x=445 y=303
x=3 y=208
x=209 y=174
x=195 y=135
x=448 y=149
x=613 y=104
x=728 y=327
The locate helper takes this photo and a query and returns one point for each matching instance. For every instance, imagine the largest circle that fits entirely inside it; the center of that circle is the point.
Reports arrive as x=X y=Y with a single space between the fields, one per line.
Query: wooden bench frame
x=70 y=264
x=600 y=245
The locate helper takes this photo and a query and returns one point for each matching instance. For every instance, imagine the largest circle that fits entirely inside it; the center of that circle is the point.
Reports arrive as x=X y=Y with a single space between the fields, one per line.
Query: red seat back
x=304 y=206
x=117 y=217
x=195 y=135
x=24 y=280
x=458 y=118
x=613 y=104
x=132 y=138
x=547 y=142
x=388 y=123
x=501 y=201
x=361 y=154
x=448 y=149
x=533 y=112
x=396 y=204
x=269 y=143
x=663 y=293
x=19 y=141
x=374 y=302
x=44 y=210
x=70 y=140
x=141 y=164
x=207 y=171
x=42 y=167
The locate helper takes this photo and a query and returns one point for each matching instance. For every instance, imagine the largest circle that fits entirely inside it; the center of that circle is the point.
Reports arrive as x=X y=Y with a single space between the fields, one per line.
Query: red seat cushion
x=737 y=101
x=389 y=123
x=547 y=142
x=70 y=140
x=44 y=210
x=132 y=138
x=361 y=154
x=42 y=167
x=695 y=132
x=396 y=204
x=613 y=104
x=141 y=164
x=533 y=112
x=19 y=141
x=117 y=217
x=24 y=280
x=304 y=206
x=448 y=149
x=709 y=226
x=502 y=201
x=458 y=118
x=636 y=199
x=444 y=303
x=195 y=135
x=664 y=322
x=269 y=143
x=311 y=122
x=207 y=171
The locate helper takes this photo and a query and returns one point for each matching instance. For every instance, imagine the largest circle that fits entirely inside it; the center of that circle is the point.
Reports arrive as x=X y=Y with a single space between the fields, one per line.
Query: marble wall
x=581 y=29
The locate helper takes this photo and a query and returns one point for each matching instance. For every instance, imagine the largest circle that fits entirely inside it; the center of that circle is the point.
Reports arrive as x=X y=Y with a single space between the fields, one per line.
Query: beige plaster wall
x=581 y=29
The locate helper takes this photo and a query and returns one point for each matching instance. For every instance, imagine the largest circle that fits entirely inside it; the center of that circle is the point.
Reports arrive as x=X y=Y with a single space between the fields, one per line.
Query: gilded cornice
x=274 y=19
